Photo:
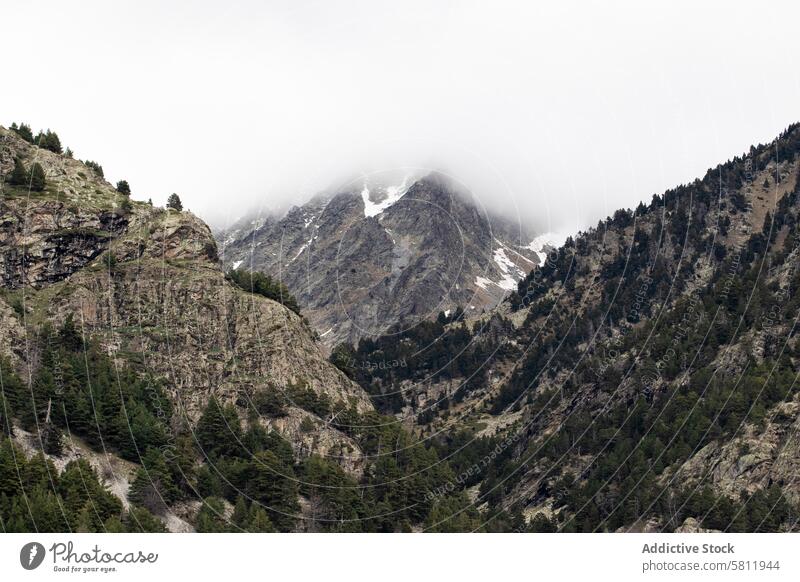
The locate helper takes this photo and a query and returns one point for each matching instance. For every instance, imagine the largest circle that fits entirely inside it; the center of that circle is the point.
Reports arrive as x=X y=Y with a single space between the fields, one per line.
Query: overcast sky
x=564 y=111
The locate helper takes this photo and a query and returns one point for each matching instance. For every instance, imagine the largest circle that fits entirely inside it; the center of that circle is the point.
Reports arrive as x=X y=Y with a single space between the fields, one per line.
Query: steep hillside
x=179 y=397
x=644 y=376
x=379 y=255
x=157 y=292
x=145 y=283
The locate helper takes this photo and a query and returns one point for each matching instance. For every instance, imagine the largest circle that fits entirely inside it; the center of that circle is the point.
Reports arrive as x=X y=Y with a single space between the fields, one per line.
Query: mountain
x=385 y=253
x=643 y=378
x=144 y=390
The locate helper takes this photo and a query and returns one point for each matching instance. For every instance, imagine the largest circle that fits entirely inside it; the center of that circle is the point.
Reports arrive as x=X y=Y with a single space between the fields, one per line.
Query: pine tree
x=271 y=483
x=210 y=517
x=69 y=336
x=12 y=460
x=259 y=520
x=6 y=426
x=49 y=141
x=153 y=487
x=174 y=202
x=219 y=431
x=38 y=180
x=241 y=513
x=19 y=175
x=139 y=520
x=13 y=392
x=95 y=167
x=113 y=525
x=24 y=131
x=123 y=187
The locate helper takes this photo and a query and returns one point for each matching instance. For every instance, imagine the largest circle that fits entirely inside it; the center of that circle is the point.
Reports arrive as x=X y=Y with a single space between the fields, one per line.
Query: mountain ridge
x=596 y=357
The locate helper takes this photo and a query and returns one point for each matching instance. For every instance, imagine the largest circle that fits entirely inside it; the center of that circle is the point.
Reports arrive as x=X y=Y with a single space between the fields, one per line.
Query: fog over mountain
x=422 y=267
x=543 y=114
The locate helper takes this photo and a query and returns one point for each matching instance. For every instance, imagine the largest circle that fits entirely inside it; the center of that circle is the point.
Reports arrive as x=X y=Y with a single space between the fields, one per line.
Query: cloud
x=558 y=114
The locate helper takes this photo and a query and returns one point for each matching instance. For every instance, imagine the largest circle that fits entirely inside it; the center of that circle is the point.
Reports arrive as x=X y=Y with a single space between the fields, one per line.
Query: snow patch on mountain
x=302 y=248
x=483 y=282
x=548 y=239
x=510 y=271
x=392 y=195
x=513 y=251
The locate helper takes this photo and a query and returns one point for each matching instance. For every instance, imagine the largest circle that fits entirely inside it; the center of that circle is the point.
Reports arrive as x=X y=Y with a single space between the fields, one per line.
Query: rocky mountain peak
x=387 y=250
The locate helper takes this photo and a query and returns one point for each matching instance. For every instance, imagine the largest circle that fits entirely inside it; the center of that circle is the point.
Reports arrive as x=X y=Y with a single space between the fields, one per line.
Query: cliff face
x=147 y=283
x=47 y=236
x=377 y=256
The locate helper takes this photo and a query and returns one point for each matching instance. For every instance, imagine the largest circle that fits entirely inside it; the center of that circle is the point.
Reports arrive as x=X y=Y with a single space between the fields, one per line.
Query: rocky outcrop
x=12 y=338
x=44 y=242
x=758 y=458
x=46 y=236
x=310 y=434
x=180 y=315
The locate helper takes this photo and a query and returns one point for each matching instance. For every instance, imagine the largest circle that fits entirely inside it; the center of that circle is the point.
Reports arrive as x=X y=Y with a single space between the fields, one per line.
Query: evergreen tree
x=19 y=175
x=241 y=513
x=6 y=425
x=139 y=520
x=49 y=140
x=259 y=520
x=123 y=187
x=453 y=514
x=261 y=284
x=174 y=202
x=95 y=167
x=219 y=430
x=38 y=180
x=24 y=131
x=210 y=518
x=153 y=487
x=335 y=495
x=272 y=483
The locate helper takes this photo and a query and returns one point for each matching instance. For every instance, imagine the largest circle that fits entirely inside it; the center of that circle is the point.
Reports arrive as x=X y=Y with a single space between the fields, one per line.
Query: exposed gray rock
x=369 y=258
